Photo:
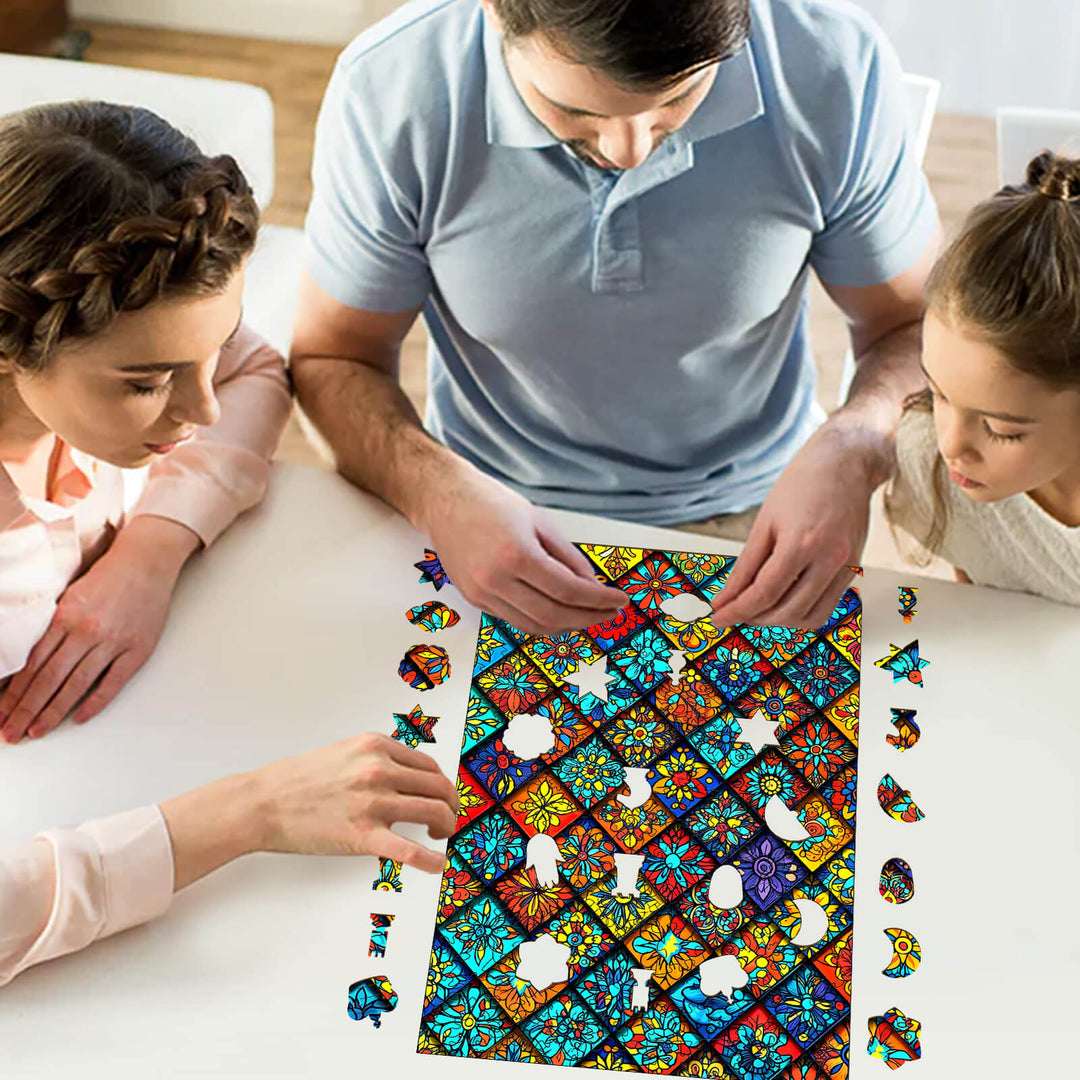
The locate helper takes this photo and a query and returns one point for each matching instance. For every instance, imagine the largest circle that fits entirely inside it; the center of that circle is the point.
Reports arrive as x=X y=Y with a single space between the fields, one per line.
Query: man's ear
x=492 y=14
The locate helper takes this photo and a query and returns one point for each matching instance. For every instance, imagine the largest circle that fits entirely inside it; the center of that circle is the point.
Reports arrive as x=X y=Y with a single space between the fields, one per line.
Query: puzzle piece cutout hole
x=639 y=999
x=783 y=822
x=543 y=856
x=627 y=868
x=722 y=975
x=544 y=962
x=726 y=888
x=590 y=679
x=528 y=736
x=637 y=780
x=686 y=607
x=813 y=922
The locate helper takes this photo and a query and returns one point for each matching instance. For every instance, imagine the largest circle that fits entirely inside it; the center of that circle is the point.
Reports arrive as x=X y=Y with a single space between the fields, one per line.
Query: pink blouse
x=70 y=886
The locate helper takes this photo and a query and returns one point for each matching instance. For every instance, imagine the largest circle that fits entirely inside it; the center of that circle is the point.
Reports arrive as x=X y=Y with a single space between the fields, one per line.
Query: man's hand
x=507 y=557
x=106 y=625
x=811 y=529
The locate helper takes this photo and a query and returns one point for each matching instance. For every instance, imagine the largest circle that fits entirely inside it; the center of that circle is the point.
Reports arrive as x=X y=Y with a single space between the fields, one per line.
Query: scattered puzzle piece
x=894 y=1038
x=370 y=998
x=414 y=728
x=908 y=599
x=897 y=884
x=433 y=616
x=906 y=953
x=380 y=927
x=907 y=730
x=389 y=879
x=896 y=802
x=431 y=570
x=904 y=663
x=425 y=667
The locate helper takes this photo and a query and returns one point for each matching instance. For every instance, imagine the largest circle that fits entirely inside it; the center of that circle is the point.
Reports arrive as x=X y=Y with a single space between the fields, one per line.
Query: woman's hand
x=105 y=627
x=338 y=800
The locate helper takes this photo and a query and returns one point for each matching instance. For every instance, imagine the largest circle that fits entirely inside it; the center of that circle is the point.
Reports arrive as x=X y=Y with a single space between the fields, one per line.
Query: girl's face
x=999 y=430
x=135 y=391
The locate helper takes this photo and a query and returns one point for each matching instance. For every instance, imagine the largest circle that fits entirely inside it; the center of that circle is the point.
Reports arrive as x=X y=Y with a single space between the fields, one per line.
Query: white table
x=287 y=635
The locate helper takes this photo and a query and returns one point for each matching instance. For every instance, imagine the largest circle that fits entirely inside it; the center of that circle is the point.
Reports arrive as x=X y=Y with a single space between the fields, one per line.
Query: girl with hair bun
x=121 y=271
x=121 y=345
x=988 y=456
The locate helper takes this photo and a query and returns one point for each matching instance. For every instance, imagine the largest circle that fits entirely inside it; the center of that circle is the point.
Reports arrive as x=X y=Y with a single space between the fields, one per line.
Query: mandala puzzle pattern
x=908 y=600
x=894 y=1038
x=433 y=616
x=904 y=663
x=709 y=791
x=370 y=998
x=906 y=953
x=897 y=883
x=896 y=802
x=431 y=571
x=425 y=667
x=414 y=728
x=907 y=730
x=380 y=927
x=389 y=879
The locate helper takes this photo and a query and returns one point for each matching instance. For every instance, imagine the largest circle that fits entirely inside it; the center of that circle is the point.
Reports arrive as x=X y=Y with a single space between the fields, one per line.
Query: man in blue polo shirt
x=608 y=214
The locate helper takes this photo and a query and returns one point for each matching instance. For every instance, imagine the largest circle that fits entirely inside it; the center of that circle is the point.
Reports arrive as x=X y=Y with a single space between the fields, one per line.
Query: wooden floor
x=960 y=163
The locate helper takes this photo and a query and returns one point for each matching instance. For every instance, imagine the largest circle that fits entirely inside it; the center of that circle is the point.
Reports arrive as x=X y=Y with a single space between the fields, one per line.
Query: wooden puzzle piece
x=380 y=927
x=896 y=802
x=431 y=570
x=389 y=879
x=414 y=728
x=906 y=953
x=897 y=884
x=894 y=1038
x=904 y=663
x=908 y=599
x=433 y=616
x=370 y=998
x=907 y=730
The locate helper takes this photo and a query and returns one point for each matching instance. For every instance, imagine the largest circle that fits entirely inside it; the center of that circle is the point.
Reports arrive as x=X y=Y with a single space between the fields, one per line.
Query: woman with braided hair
x=989 y=453
x=121 y=346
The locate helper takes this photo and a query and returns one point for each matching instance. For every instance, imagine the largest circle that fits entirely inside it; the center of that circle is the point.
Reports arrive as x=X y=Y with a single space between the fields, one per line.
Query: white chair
x=222 y=117
x=922 y=98
x=1022 y=134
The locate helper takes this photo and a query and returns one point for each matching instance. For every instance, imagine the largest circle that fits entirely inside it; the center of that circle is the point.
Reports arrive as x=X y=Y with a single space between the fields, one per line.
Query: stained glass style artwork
x=907 y=730
x=389 y=879
x=672 y=770
x=433 y=616
x=431 y=570
x=370 y=998
x=896 y=802
x=894 y=1038
x=908 y=600
x=897 y=884
x=380 y=927
x=425 y=667
x=856 y=570
x=906 y=953
x=414 y=728
x=904 y=663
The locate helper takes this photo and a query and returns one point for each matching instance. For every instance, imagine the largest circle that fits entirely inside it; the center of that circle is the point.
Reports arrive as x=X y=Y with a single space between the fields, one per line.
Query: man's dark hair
x=637 y=43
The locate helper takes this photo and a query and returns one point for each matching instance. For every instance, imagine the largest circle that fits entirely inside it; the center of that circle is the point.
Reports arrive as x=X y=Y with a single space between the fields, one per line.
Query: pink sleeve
x=69 y=887
x=206 y=483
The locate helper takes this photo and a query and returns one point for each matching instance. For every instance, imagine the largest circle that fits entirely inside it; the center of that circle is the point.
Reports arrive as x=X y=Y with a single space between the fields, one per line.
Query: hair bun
x=1055 y=176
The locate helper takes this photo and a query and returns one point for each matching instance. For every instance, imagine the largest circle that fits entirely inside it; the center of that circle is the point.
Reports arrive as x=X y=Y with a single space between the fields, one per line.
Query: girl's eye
x=149 y=388
x=998 y=437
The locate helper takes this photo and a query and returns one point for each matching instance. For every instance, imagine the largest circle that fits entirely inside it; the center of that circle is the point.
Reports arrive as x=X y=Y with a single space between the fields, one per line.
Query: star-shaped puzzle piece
x=414 y=728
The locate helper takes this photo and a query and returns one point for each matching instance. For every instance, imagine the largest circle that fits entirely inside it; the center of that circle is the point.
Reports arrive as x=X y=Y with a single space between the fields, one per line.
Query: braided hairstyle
x=1012 y=278
x=106 y=208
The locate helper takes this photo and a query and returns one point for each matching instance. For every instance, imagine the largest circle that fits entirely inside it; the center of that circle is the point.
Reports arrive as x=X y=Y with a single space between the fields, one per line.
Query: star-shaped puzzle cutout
x=591 y=679
x=757 y=730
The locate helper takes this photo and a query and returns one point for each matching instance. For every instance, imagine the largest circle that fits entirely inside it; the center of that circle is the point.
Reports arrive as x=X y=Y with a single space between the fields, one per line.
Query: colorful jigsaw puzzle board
x=709 y=791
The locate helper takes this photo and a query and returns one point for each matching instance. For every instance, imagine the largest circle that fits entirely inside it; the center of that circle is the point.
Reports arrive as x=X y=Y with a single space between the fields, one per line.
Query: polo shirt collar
x=735 y=99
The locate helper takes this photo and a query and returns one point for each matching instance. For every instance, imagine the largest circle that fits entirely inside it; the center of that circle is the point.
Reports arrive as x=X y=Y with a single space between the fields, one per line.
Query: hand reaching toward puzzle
x=812 y=526
x=338 y=800
x=507 y=557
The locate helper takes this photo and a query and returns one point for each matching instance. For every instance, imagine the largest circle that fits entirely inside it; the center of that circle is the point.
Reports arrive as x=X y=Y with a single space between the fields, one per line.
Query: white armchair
x=222 y=117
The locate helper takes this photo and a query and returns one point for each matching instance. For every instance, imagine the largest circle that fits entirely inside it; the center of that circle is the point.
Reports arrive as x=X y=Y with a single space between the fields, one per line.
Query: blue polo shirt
x=629 y=344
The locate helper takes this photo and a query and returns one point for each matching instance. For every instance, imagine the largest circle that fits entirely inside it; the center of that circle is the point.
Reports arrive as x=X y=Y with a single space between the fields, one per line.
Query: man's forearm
x=886 y=373
x=375 y=433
